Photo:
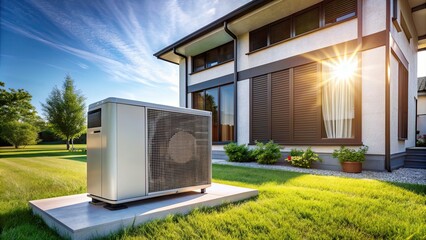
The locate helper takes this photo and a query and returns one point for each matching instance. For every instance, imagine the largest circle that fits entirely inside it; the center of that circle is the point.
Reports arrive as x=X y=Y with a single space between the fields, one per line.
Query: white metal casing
x=117 y=155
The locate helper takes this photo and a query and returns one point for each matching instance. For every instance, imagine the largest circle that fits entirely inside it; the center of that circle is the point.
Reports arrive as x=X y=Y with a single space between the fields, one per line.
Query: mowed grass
x=289 y=205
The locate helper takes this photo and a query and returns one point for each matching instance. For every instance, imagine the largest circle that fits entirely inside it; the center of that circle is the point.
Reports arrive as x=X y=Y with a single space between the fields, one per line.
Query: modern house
x=308 y=73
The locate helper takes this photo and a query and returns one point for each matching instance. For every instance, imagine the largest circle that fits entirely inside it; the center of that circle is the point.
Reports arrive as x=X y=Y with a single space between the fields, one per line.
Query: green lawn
x=289 y=205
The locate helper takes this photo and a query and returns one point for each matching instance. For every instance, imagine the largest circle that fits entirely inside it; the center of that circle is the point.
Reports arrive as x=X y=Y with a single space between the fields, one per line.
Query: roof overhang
x=253 y=15
x=418 y=10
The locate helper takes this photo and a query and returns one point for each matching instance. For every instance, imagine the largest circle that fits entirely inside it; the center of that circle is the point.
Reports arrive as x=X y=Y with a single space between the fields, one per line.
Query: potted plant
x=351 y=159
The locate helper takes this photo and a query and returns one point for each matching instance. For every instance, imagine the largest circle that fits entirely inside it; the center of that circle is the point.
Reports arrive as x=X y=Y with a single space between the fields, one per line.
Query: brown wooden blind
x=338 y=10
x=280 y=106
x=306 y=105
x=402 y=102
x=259 y=109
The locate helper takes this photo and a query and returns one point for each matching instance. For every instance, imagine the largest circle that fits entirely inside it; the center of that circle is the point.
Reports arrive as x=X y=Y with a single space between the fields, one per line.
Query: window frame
x=319 y=140
x=292 y=17
x=218 y=111
x=220 y=59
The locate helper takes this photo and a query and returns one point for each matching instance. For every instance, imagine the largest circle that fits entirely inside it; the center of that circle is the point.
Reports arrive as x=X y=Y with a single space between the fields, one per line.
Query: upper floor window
x=307 y=20
x=213 y=57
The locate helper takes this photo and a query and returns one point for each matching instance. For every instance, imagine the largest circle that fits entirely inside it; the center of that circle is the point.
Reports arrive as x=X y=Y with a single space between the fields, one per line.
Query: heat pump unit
x=138 y=150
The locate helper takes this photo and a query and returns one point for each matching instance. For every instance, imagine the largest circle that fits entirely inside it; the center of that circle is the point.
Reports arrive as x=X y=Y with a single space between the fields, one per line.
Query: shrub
x=304 y=159
x=421 y=141
x=345 y=154
x=268 y=153
x=238 y=153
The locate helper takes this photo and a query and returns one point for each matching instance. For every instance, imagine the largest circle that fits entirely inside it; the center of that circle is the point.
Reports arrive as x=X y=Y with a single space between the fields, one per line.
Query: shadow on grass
x=254 y=176
x=22 y=224
x=13 y=150
x=415 y=188
x=43 y=153
x=82 y=158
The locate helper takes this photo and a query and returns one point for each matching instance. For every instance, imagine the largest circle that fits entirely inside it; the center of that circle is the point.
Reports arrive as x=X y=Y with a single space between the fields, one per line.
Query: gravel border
x=402 y=175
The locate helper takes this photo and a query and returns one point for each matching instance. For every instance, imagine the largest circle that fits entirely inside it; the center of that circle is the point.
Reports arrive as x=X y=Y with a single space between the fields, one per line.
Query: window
x=302 y=105
x=338 y=107
x=258 y=39
x=212 y=105
x=319 y=15
x=339 y=10
x=307 y=21
x=227 y=113
x=213 y=57
x=198 y=100
x=219 y=101
x=402 y=102
x=279 y=31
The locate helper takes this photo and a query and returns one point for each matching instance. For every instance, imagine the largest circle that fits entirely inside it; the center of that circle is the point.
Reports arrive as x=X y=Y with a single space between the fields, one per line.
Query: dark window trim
x=321 y=25
x=203 y=54
x=357 y=125
x=204 y=69
x=218 y=109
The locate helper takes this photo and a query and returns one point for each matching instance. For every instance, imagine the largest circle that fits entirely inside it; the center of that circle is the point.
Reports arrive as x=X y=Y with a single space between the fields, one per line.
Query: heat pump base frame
x=151 y=195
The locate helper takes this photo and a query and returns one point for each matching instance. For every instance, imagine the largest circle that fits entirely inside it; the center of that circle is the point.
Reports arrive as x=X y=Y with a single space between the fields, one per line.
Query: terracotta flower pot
x=352 y=167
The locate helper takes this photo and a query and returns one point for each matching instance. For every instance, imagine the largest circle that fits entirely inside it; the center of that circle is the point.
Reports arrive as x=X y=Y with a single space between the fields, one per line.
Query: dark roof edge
x=254 y=4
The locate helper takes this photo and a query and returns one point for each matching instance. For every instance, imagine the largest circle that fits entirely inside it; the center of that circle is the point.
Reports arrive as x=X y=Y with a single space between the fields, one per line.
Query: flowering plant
x=421 y=141
x=304 y=159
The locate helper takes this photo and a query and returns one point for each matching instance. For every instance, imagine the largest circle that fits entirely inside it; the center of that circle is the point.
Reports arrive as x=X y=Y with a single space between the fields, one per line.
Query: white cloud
x=119 y=37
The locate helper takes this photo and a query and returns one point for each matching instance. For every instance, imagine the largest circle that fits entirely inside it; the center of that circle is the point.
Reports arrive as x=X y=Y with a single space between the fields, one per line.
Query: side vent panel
x=178 y=150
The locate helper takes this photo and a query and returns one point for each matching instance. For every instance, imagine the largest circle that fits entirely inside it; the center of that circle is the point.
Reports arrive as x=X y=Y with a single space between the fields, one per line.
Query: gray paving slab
x=73 y=217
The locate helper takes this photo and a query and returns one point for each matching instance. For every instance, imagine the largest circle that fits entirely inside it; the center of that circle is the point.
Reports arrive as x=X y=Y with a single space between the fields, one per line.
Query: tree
x=15 y=105
x=65 y=111
x=20 y=133
x=19 y=121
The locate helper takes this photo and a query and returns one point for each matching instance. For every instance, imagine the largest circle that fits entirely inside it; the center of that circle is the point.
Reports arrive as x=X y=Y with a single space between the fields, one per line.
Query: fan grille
x=178 y=150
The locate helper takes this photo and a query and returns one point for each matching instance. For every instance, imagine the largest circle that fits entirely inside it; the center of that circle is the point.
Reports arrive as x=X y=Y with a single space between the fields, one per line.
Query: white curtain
x=337 y=103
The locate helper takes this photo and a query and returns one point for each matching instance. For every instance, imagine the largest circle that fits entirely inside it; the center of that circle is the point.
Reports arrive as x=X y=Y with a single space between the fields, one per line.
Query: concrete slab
x=73 y=217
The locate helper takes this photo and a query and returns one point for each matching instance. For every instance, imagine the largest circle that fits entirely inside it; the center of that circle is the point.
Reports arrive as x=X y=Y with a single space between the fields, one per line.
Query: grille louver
x=178 y=150
x=259 y=108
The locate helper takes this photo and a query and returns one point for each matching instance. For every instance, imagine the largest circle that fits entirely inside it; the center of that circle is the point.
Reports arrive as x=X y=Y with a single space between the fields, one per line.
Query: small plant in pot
x=351 y=159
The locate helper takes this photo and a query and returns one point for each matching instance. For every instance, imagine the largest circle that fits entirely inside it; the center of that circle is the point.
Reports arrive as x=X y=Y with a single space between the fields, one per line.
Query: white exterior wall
x=243 y=111
x=208 y=74
x=319 y=39
x=373 y=99
x=409 y=50
x=421 y=111
x=182 y=83
x=396 y=145
x=373 y=16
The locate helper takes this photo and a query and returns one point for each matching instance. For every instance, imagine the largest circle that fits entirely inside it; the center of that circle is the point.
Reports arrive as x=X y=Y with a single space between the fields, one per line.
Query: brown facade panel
x=402 y=102
x=280 y=106
x=306 y=126
x=259 y=109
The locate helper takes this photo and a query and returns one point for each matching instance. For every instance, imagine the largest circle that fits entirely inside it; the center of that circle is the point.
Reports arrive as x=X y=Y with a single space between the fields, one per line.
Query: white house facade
x=308 y=73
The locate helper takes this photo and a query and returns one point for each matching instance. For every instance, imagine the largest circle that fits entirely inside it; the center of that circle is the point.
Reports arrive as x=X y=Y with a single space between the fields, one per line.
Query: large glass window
x=227 y=112
x=198 y=100
x=304 y=105
x=338 y=107
x=220 y=101
x=213 y=57
x=212 y=105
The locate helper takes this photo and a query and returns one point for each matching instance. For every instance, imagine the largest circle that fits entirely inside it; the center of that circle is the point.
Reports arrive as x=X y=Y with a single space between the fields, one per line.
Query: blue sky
x=105 y=45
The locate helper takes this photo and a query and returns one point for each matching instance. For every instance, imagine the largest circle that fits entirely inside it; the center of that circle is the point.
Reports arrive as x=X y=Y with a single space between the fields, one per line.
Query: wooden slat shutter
x=259 y=109
x=306 y=105
x=337 y=10
x=280 y=106
x=402 y=102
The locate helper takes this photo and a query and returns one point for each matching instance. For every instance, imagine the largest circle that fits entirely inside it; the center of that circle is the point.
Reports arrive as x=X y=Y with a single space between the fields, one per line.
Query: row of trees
x=64 y=110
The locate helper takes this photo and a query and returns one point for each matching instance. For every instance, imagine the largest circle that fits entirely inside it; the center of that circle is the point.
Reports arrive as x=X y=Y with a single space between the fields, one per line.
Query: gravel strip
x=402 y=175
